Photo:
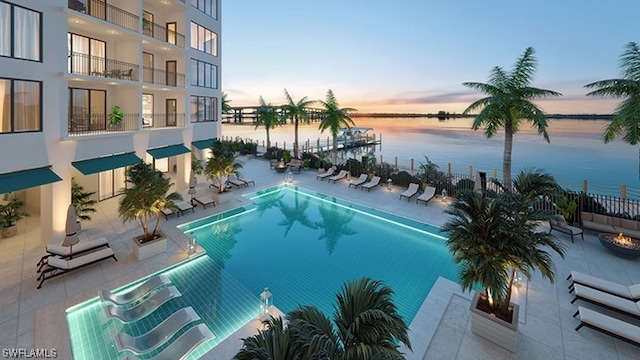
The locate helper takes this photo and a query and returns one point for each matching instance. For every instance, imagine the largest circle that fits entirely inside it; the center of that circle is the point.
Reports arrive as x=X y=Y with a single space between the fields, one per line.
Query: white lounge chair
x=184 y=345
x=184 y=206
x=341 y=175
x=65 y=251
x=136 y=293
x=158 y=335
x=325 y=174
x=608 y=325
x=428 y=194
x=246 y=181
x=204 y=200
x=58 y=266
x=359 y=181
x=628 y=292
x=144 y=308
x=606 y=300
x=374 y=182
x=233 y=180
x=411 y=190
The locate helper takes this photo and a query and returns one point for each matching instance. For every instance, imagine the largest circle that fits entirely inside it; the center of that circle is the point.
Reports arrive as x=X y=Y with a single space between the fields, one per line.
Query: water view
x=576 y=152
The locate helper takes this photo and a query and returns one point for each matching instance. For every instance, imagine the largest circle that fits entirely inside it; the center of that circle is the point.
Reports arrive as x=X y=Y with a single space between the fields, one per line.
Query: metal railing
x=84 y=64
x=97 y=124
x=158 y=76
x=157 y=121
x=107 y=12
x=162 y=33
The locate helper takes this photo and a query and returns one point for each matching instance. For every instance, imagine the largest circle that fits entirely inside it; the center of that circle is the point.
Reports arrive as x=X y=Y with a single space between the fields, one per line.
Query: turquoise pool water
x=303 y=245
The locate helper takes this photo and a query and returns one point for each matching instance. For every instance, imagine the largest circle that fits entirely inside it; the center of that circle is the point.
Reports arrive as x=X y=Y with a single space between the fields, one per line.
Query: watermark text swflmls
x=32 y=353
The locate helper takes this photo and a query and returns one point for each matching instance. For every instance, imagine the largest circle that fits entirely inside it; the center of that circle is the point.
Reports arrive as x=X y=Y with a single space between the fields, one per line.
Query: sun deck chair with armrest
x=374 y=182
x=359 y=181
x=204 y=200
x=341 y=175
x=58 y=266
x=246 y=181
x=606 y=300
x=184 y=345
x=65 y=251
x=233 y=180
x=158 y=335
x=411 y=190
x=628 y=292
x=608 y=325
x=136 y=293
x=144 y=308
x=325 y=174
x=428 y=194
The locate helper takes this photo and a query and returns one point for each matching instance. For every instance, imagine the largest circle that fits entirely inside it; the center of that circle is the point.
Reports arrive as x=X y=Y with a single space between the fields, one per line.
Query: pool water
x=302 y=245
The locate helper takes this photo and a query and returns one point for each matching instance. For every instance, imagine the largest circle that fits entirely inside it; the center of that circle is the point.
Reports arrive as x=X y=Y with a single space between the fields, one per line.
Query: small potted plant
x=10 y=215
x=116 y=115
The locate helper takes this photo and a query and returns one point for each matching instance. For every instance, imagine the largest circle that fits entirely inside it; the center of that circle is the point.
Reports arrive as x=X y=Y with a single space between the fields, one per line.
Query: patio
x=31 y=318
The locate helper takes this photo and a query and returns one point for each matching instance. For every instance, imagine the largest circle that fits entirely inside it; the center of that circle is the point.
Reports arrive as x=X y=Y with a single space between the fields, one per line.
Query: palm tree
x=334 y=118
x=225 y=107
x=366 y=325
x=220 y=165
x=82 y=201
x=493 y=235
x=145 y=197
x=626 y=120
x=268 y=117
x=297 y=111
x=508 y=104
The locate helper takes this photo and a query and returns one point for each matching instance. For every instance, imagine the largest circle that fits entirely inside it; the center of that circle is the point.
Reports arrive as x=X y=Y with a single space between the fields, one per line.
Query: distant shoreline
x=453 y=116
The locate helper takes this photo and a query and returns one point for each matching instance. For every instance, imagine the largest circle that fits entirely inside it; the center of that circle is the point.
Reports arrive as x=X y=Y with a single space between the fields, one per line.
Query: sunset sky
x=413 y=55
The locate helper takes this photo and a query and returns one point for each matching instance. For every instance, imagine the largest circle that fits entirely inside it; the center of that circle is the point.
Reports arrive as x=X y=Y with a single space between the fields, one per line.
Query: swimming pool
x=301 y=244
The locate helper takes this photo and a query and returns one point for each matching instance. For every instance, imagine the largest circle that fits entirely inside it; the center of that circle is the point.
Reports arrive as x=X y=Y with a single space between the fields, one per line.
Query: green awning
x=167 y=151
x=204 y=144
x=96 y=165
x=25 y=179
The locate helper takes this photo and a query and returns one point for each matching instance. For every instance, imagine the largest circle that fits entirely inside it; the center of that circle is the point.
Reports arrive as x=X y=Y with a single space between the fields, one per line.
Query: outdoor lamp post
x=192 y=245
x=389 y=182
x=266 y=304
x=444 y=195
x=288 y=176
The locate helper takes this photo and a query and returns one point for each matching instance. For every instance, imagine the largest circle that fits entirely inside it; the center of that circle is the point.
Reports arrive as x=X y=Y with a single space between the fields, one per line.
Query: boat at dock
x=356 y=136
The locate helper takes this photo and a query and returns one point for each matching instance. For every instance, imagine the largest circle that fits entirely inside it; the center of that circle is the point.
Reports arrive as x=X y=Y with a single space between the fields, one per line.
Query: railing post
x=623 y=192
x=471 y=172
x=495 y=174
x=380 y=159
x=449 y=169
x=396 y=162
x=284 y=145
x=411 y=165
x=584 y=186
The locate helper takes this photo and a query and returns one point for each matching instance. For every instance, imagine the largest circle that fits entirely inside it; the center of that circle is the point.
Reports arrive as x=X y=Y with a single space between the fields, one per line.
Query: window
x=204 y=74
x=204 y=39
x=20 y=106
x=87 y=110
x=20 y=32
x=204 y=108
x=86 y=55
x=209 y=7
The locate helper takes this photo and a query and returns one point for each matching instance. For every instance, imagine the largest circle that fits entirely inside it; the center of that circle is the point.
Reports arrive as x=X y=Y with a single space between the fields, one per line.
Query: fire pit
x=620 y=244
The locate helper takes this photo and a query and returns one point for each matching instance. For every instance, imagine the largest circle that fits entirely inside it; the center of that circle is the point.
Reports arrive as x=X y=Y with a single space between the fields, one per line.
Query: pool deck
x=32 y=318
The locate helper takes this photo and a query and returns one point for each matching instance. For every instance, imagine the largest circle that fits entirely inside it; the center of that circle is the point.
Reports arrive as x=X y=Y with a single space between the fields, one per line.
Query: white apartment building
x=65 y=65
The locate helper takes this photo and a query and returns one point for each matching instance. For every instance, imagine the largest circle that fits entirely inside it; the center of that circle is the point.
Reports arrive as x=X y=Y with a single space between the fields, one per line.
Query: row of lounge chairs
x=609 y=295
x=428 y=194
x=239 y=180
x=137 y=303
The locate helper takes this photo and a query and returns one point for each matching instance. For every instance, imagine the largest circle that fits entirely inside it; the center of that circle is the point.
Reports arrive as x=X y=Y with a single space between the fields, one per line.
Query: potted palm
x=10 y=215
x=219 y=166
x=493 y=235
x=116 y=115
x=144 y=198
x=82 y=201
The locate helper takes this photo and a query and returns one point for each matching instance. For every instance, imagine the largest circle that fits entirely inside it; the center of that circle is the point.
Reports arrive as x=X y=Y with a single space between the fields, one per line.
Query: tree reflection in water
x=296 y=213
x=334 y=224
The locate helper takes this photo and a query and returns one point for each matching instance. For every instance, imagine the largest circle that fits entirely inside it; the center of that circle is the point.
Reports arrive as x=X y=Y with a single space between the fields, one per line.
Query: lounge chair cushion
x=586 y=216
x=611 y=301
x=79 y=247
x=80 y=260
x=609 y=324
x=629 y=292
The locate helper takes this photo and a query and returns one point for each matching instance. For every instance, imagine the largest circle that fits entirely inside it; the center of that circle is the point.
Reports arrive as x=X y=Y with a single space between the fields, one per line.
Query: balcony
x=107 y=12
x=162 y=33
x=161 y=77
x=97 y=124
x=83 y=64
x=158 y=121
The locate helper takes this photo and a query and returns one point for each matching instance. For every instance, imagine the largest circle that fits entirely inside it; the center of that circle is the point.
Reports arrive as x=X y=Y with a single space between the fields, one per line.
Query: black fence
x=95 y=124
x=157 y=121
x=84 y=64
x=161 y=77
x=162 y=33
x=107 y=12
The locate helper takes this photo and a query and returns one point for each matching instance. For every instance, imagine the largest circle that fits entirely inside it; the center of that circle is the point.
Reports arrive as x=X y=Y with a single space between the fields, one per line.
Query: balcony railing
x=158 y=76
x=83 y=64
x=96 y=124
x=107 y=12
x=162 y=33
x=157 y=121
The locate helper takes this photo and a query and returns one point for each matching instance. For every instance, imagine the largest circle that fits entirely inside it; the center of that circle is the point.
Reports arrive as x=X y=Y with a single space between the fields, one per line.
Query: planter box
x=150 y=248
x=496 y=330
x=221 y=198
x=9 y=231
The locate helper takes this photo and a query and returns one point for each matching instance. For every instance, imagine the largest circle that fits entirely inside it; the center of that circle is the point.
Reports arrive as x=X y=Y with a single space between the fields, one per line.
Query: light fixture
x=165 y=2
x=288 y=176
x=389 y=183
x=76 y=21
x=444 y=195
x=266 y=304
x=192 y=245
x=113 y=32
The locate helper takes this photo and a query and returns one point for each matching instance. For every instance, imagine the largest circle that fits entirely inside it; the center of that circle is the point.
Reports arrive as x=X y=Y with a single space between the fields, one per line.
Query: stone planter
x=496 y=330
x=150 y=248
x=222 y=198
x=10 y=231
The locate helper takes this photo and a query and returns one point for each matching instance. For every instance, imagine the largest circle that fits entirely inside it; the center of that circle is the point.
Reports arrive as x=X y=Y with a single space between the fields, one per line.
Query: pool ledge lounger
x=144 y=308
x=136 y=293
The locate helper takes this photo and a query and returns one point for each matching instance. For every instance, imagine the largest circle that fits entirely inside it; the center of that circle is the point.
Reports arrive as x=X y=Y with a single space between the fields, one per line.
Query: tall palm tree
x=508 y=104
x=493 y=235
x=297 y=111
x=334 y=117
x=268 y=117
x=366 y=325
x=626 y=120
x=225 y=106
